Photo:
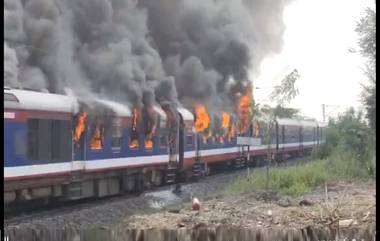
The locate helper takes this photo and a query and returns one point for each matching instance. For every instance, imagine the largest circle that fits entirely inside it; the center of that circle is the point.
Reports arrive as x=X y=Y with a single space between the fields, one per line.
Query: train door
x=277 y=142
x=79 y=141
x=317 y=136
x=181 y=141
x=283 y=139
x=79 y=133
x=301 y=140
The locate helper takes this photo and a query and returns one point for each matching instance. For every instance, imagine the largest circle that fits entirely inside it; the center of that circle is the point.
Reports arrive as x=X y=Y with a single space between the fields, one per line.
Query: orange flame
x=148 y=144
x=151 y=128
x=231 y=132
x=81 y=126
x=202 y=120
x=97 y=139
x=134 y=142
x=244 y=110
x=225 y=120
x=135 y=116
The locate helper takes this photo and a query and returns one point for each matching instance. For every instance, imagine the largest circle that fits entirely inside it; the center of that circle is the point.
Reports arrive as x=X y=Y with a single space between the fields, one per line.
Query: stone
x=269 y=212
x=346 y=223
x=305 y=202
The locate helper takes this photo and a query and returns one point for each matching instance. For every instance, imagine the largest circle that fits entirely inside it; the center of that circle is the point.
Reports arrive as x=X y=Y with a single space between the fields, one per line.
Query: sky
x=316 y=41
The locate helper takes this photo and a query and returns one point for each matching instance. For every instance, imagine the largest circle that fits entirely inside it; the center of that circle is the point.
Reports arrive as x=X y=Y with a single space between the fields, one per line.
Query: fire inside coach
x=59 y=147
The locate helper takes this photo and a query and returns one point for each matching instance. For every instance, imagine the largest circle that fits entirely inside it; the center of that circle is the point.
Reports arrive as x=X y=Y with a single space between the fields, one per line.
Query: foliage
x=293 y=181
x=282 y=93
x=348 y=154
x=368 y=97
x=356 y=138
x=282 y=112
x=297 y=180
x=349 y=136
x=351 y=131
x=286 y=91
x=366 y=28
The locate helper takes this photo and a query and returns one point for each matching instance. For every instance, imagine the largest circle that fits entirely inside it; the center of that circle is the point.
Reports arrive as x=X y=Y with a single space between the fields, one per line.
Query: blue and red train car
x=57 y=147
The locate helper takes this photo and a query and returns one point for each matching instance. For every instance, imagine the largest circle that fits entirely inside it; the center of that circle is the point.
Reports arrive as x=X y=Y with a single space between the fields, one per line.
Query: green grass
x=297 y=180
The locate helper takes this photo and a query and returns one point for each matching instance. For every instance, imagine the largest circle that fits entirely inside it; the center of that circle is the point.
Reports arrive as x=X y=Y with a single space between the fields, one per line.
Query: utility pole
x=323 y=112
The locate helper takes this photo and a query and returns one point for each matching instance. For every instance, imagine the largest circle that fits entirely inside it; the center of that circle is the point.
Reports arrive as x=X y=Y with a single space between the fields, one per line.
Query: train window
x=61 y=140
x=49 y=140
x=10 y=97
x=134 y=143
x=117 y=135
x=19 y=139
x=97 y=136
x=149 y=143
x=189 y=140
x=32 y=139
x=44 y=140
x=163 y=141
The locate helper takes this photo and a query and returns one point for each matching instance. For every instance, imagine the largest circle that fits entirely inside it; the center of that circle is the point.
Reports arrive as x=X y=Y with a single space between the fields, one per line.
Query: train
x=58 y=147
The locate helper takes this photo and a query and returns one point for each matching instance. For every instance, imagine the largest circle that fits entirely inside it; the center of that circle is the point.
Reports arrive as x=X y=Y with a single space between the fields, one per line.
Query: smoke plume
x=140 y=52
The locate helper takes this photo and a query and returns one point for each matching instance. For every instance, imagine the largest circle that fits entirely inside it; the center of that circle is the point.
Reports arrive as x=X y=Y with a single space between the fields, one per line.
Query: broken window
x=150 y=120
x=189 y=140
x=134 y=139
x=97 y=138
x=117 y=134
x=163 y=141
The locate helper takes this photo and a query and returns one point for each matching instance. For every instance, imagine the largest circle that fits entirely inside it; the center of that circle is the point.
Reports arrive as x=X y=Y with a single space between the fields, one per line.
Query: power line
x=324 y=110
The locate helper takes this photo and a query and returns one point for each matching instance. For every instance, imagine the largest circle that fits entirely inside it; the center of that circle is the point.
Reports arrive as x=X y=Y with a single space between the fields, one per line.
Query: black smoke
x=140 y=52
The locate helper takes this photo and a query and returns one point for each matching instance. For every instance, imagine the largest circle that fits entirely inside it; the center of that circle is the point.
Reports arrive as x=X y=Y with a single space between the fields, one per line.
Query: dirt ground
x=343 y=205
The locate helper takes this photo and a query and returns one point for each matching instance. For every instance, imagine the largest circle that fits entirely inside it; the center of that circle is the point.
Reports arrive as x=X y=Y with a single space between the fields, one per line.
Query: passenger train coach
x=57 y=147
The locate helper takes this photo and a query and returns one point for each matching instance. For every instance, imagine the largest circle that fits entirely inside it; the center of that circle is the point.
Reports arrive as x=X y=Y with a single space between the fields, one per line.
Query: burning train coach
x=58 y=147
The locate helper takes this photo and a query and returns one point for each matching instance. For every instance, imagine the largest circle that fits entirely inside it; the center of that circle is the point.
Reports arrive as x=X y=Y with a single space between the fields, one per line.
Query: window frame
x=50 y=141
x=117 y=127
x=187 y=136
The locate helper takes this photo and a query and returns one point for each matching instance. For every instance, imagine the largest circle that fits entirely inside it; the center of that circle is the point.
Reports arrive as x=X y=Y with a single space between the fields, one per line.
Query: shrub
x=348 y=154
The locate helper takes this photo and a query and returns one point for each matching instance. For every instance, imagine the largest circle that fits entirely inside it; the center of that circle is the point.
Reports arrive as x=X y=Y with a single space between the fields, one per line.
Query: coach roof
x=33 y=100
x=186 y=114
x=288 y=122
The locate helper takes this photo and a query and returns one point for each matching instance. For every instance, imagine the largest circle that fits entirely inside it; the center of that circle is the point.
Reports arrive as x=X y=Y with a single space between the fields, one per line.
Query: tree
x=349 y=134
x=366 y=29
x=267 y=116
x=286 y=91
x=282 y=112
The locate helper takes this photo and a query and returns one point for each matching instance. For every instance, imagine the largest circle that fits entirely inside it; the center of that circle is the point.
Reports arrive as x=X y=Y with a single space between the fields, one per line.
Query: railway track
x=29 y=214
x=18 y=215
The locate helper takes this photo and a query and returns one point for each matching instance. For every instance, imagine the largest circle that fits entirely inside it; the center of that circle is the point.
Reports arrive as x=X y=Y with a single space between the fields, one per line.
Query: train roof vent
x=10 y=97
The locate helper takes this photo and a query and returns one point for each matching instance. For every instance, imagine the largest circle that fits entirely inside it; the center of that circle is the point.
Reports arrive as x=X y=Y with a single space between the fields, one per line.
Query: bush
x=348 y=154
x=350 y=138
x=287 y=180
